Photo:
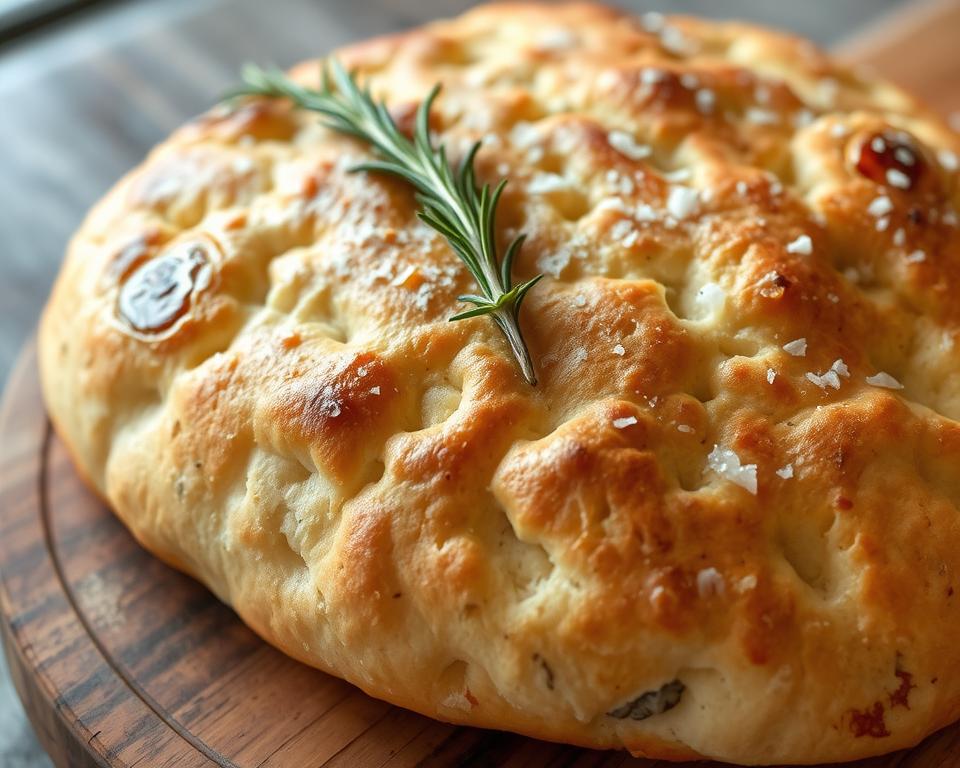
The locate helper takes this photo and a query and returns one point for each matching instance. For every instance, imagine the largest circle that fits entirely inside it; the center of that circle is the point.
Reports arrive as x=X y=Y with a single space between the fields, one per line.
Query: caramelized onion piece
x=161 y=291
x=890 y=158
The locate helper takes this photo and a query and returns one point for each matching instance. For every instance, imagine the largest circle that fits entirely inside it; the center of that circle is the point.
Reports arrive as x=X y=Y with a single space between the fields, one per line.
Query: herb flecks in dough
x=651 y=703
x=451 y=202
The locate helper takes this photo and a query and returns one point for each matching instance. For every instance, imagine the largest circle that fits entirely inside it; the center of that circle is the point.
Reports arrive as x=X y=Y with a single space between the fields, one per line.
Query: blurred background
x=88 y=86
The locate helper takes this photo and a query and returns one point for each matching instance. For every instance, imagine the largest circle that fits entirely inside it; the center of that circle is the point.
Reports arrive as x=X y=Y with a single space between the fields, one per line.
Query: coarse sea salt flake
x=916 y=257
x=683 y=202
x=619 y=350
x=709 y=583
x=884 y=380
x=727 y=464
x=771 y=375
x=797 y=347
x=802 y=245
x=897 y=178
x=626 y=145
x=374 y=390
x=624 y=422
x=759 y=116
x=949 y=160
x=828 y=379
x=880 y=206
x=544 y=183
x=686 y=429
x=786 y=472
x=705 y=100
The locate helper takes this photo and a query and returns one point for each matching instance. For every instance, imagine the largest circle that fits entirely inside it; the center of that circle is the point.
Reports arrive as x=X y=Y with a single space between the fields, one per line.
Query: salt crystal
x=686 y=429
x=705 y=100
x=759 y=116
x=374 y=390
x=899 y=237
x=727 y=464
x=840 y=368
x=828 y=379
x=949 y=160
x=544 y=183
x=905 y=156
x=682 y=202
x=679 y=176
x=645 y=213
x=897 y=178
x=884 y=380
x=797 y=347
x=619 y=350
x=802 y=245
x=747 y=583
x=771 y=375
x=916 y=257
x=626 y=145
x=785 y=472
x=624 y=422
x=709 y=583
x=880 y=206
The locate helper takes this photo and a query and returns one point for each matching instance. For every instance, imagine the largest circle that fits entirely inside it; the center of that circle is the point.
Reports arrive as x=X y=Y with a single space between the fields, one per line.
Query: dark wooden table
x=84 y=95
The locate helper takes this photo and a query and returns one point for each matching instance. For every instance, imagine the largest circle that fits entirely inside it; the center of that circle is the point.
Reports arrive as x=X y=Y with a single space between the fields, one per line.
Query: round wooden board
x=122 y=661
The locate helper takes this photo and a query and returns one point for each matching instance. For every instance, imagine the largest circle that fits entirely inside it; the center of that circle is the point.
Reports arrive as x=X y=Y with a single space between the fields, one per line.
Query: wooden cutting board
x=122 y=661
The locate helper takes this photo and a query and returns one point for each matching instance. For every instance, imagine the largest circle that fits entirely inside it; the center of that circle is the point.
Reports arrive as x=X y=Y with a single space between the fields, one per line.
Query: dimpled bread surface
x=724 y=523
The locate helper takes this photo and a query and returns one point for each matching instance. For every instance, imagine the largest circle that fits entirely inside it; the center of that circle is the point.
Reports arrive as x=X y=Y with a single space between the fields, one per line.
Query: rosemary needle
x=450 y=200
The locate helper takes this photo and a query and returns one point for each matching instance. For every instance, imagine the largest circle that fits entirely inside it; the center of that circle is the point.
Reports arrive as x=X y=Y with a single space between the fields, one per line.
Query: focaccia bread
x=725 y=523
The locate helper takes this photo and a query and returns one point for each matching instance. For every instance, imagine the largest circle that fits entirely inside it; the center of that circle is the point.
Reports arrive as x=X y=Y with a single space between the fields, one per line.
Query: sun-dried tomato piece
x=891 y=158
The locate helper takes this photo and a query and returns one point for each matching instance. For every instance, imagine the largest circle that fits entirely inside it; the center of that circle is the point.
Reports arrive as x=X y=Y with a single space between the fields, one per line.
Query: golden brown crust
x=712 y=484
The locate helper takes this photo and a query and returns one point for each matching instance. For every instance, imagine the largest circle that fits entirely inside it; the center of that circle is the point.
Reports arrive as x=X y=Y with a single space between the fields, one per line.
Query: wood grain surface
x=120 y=660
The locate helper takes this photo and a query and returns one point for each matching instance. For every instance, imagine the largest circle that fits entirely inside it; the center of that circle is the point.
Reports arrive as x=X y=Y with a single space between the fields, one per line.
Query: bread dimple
x=737 y=475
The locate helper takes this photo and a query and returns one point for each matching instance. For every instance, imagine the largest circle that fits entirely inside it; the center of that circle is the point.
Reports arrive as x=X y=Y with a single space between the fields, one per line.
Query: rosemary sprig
x=450 y=200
